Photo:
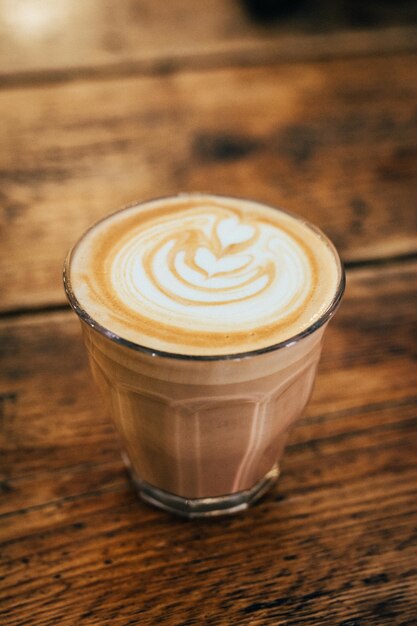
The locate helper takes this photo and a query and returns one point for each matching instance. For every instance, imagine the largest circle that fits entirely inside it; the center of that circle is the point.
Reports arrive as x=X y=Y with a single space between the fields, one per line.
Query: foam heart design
x=208 y=262
x=230 y=231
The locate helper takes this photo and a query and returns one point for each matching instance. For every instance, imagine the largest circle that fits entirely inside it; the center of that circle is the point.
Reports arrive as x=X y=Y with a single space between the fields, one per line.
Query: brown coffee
x=203 y=318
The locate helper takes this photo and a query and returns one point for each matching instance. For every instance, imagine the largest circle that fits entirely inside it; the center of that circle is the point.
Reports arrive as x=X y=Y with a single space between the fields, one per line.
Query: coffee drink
x=203 y=317
x=201 y=275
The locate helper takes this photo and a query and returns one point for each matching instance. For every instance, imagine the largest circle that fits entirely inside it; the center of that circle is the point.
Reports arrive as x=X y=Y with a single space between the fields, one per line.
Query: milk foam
x=204 y=275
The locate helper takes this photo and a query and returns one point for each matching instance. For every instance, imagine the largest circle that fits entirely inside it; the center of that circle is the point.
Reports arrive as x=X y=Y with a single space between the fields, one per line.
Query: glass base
x=205 y=507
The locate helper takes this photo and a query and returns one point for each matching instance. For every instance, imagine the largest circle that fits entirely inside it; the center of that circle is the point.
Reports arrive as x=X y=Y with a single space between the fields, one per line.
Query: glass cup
x=203 y=435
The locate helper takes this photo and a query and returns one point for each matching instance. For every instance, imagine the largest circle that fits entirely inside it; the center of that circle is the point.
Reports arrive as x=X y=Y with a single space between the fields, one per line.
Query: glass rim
x=90 y=321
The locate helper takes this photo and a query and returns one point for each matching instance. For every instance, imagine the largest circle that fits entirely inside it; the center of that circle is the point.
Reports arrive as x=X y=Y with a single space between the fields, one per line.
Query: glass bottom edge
x=192 y=508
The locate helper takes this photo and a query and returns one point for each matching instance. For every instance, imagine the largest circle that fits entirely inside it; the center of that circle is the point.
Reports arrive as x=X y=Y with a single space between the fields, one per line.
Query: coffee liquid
x=203 y=317
x=204 y=275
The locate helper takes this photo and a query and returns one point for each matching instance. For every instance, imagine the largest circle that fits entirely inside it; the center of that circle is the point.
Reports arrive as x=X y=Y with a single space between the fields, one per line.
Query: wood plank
x=124 y=35
x=56 y=398
x=335 y=541
x=170 y=572
x=333 y=141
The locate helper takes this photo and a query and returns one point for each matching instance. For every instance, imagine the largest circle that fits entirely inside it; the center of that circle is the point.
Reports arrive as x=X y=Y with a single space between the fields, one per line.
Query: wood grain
x=335 y=542
x=334 y=141
x=91 y=37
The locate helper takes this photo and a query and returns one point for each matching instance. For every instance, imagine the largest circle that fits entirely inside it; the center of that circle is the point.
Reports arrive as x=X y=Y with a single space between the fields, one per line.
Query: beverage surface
x=204 y=275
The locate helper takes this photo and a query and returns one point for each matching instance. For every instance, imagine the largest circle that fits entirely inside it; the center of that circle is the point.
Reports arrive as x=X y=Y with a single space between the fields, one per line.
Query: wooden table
x=105 y=103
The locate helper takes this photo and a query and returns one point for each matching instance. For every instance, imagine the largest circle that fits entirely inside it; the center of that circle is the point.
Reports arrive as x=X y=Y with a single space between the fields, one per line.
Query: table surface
x=105 y=103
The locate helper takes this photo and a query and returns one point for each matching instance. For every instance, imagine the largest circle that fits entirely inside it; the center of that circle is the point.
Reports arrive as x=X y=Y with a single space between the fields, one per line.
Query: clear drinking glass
x=203 y=435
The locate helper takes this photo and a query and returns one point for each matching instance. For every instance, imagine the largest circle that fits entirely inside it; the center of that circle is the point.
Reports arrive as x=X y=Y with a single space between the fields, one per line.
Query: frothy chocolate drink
x=203 y=318
x=204 y=275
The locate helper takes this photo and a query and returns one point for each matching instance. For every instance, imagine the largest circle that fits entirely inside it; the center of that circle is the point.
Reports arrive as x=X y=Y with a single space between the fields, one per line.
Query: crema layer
x=204 y=275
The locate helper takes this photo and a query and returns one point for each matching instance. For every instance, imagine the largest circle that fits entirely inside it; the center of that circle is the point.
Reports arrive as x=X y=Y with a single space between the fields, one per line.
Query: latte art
x=203 y=275
x=199 y=266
